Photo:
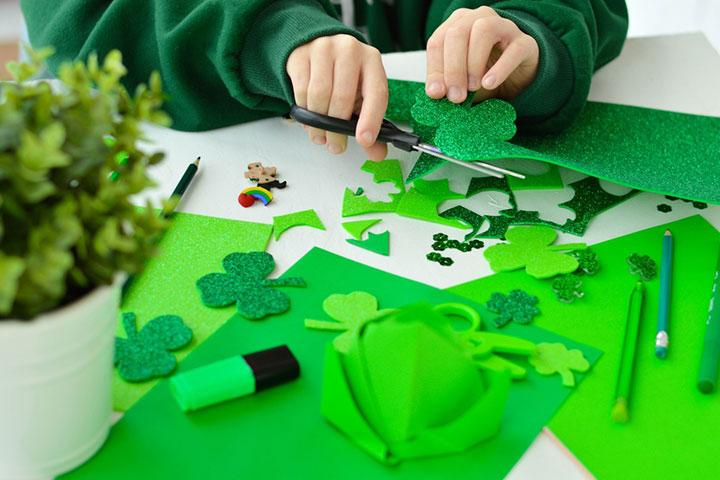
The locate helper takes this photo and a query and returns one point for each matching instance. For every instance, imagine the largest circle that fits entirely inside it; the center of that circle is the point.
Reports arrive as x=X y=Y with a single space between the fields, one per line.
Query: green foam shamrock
x=245 y=285
x=568 y=287
x=146 y=354
x=643 y=266
x=517 y=306
x=587 y=261
x=550 y=358
x=531 y=247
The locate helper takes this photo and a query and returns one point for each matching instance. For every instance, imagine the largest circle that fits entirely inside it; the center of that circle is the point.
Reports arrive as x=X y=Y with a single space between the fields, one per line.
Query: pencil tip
x=197 y=162
x=668 y=232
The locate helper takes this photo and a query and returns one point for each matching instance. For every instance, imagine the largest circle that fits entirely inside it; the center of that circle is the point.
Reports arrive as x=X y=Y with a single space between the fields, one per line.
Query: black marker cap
x=273 y=366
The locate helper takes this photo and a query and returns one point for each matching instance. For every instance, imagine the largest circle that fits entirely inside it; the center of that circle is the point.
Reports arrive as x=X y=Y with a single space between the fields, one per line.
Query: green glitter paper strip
x=550 y=180
x=386 y=171
x=425 y=165
x=466 y=216
x=376 y=243
x=307 y=218
x=357 y=228
x=422 y=200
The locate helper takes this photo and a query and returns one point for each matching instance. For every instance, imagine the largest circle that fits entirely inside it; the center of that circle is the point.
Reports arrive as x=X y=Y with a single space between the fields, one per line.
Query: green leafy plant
x=245 y=285
x=551 y=358
x=69 y=164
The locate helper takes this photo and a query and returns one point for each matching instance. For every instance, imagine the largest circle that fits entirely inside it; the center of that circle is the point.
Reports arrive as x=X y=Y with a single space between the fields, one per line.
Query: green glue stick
x=234 y=377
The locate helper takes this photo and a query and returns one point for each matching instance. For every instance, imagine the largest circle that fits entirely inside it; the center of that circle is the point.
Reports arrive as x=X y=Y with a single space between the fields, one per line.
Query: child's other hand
x=336 y=76
x=478 y=50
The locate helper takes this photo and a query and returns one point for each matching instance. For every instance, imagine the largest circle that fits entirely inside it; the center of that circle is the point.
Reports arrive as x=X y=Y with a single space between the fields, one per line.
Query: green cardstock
x=307 y=218
x=378 y=243
x=422 y=200
x=386 y=171
x=167 y=285
x=280 y=432
x=401 y=98
x=671 y=422
x=358 y=227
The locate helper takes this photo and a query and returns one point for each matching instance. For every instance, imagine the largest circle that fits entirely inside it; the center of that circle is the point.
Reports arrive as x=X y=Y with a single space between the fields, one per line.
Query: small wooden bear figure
x=265 y=176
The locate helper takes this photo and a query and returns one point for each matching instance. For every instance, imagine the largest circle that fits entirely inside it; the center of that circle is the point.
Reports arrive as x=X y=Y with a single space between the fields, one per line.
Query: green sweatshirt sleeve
x=196 y=45
x=576 y=37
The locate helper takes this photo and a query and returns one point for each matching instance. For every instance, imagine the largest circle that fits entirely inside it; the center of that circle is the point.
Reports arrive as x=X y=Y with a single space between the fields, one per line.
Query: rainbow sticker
x=259 y=193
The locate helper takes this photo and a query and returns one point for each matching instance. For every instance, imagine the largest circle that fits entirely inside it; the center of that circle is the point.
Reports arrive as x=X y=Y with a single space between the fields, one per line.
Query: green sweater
x=223 y=61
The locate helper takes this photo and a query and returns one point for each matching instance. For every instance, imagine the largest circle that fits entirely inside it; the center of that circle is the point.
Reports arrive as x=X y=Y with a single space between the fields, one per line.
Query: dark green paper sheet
x=280 y=433
x=673 y=430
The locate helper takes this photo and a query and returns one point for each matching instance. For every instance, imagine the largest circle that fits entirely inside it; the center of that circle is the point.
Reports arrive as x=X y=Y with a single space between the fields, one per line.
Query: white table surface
x=671 y=72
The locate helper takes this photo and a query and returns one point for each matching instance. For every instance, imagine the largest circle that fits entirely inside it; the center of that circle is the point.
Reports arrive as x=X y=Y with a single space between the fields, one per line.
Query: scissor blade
x=486 y=168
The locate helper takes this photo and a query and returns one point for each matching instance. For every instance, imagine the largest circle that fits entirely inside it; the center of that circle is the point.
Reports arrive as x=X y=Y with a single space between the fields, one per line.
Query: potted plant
x=69 y=165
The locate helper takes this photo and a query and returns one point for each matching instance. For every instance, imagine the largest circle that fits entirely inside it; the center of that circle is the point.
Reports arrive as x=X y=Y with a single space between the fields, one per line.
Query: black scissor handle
x=389 y=132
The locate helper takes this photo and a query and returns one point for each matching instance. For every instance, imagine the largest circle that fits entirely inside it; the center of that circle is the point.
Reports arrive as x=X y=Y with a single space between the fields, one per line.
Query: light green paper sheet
x=358 y=227
x=673 y=429
x=281 y=433
x=167 y=286
x=304 y=218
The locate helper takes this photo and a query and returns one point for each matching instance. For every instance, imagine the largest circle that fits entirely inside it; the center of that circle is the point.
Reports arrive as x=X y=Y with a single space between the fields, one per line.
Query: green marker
x=711 y=347
x=620 y=411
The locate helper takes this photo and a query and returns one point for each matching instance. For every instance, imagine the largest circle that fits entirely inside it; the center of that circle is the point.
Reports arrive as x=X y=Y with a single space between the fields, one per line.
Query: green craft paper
x=377 y=243
x=468 y=217
x=673 y=427
x=401 y=98
x=552 y=358
x=280 y=432
x=386 y=171
x=422 y=200
x=167 y=285
x=424 y=165
x=307 y=218
x=550 y=180
x=357 y=228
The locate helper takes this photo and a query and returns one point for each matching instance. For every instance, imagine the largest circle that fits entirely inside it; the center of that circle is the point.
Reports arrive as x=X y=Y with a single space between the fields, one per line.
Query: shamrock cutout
x=145 y=354
x=643 y=266
x=349 y=312
x=567 y=288
x=245 y=285
x=587 y=261
x=531 y=247
x=468 y=132
x=517 y=306
x=550 y=358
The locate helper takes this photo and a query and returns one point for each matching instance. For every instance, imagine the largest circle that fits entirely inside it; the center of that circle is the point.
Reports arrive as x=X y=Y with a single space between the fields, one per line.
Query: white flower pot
x=55 y=386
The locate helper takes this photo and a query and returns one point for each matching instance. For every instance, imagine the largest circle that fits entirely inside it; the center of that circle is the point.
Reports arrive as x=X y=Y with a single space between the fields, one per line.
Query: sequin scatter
x=442 y=242
x=517 y=306
x=436 y=257
x=643 y=266
x=664 y=208
x=568 y=288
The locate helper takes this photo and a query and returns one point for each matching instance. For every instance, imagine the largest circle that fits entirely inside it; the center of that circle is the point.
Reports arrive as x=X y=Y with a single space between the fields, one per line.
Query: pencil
x=662 y=339
x=169 y=208
x=711 y=346
x=620 y=411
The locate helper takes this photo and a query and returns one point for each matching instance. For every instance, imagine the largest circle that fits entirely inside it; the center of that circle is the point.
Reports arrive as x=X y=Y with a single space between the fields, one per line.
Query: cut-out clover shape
x=587 y=261
x=517 y=306
x=568 y=287
x=531 y=248
x=486 y=348
x=465 y=132
x=550 y=358
x=146 y=354
x=246 y=285
x=349 y=312
x=643 y=266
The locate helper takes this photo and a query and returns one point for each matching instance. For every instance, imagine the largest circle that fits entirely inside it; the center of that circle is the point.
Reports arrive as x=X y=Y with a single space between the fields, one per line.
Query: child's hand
x=337 y=76
x=479 y=50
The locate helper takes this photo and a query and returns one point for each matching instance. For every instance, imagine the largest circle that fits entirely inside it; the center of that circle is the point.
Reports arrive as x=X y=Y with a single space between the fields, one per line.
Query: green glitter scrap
x=466 y=216
x=146 y=354
x=551 y=358
x=643 y=266
x=359 y=191
x=308 y=218
x=376 y=243
x=422 y=200
x=424 y=165
x=386 y=171
x=491 y=184
x=401 y=99
x=587 y=262
x=568 y=287
x=357 y=228
x=245 y=284
x=518 y=306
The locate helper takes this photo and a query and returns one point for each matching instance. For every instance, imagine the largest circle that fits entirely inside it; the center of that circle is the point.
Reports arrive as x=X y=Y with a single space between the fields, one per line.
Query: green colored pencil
x=662 y=339
x=711 y=346
x=620 y=411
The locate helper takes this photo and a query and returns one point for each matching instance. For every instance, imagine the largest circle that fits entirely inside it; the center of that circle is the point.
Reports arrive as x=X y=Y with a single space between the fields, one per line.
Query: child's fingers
x=435 y=79
x=375 y=98
x=298 y=69
x=321 y=83
x=485 y=34
x=455 y=61
x=515 y=54
x=376 y=152
x=342 y=100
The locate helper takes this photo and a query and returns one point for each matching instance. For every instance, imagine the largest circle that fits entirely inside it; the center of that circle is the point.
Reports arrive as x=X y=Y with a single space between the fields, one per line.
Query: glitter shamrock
x=245 y=285
x=518 y=306
x=664 y=208
x=146 y=354
x=440 y=237
x=643 y=266
x=551 y=358
x=587 y=261
x=567 y=288
x=700 y=205
x=531 y=248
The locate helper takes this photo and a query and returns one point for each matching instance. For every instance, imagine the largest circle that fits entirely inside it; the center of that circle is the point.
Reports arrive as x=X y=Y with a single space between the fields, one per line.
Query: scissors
x=390 y=133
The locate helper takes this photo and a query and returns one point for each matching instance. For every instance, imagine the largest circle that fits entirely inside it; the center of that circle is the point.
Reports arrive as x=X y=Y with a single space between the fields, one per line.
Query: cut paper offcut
x=639 y=449
x=307 y=218
x=385 y=171
x=377 y=243
x=423 y=198
x=358 y=227
x=286 y=416
x=167 y=283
